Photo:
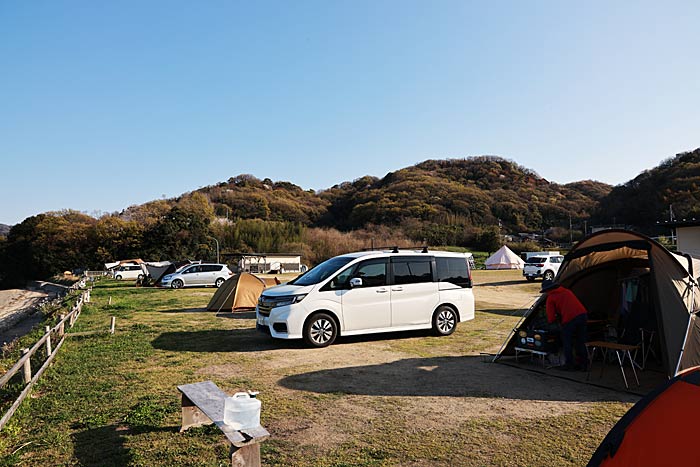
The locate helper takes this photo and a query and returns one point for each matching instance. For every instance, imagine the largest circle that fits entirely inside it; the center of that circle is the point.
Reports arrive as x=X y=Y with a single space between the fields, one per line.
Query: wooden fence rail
x=24 y=363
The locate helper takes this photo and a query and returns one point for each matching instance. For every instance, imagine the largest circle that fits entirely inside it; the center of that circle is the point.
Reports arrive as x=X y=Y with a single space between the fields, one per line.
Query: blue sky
x=108 y=104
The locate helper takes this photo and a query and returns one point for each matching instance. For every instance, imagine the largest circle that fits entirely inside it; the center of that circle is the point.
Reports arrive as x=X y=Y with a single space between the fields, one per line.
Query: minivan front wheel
x=320 y=330
x=444 y=321
x=177 y=284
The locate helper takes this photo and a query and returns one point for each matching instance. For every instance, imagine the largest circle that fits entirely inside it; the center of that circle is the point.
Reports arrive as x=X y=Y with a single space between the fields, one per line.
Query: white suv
x=370 y=292
x=545 y=267
x=197 y=275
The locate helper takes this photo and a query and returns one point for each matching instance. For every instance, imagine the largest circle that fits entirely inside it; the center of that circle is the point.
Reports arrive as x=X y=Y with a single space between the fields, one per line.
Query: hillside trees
x=46 y=244
x=115 y=238
x=647 y=198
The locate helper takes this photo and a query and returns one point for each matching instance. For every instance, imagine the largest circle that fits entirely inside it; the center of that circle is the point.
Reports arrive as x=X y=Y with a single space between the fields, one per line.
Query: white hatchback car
x=545 y=267
x=197 y=275
x=370 y=292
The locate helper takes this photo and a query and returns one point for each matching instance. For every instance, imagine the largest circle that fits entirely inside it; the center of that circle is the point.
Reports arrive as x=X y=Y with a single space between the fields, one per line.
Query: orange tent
x=239 y=293
x=659 y=430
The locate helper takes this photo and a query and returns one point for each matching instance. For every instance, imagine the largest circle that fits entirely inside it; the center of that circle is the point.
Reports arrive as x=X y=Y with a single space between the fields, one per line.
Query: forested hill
x=648 y=198
x=478 y=191
x=459 y=193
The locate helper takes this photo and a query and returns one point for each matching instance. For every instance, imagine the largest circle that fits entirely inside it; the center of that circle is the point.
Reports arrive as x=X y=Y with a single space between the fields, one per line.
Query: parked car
x=369 y=292
x=129 y=271
x=197 y=275
x=545 y=267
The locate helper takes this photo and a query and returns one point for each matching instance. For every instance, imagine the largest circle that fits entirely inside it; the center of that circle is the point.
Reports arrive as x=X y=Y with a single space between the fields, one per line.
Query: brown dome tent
x=666 y=301
x=239 y=293
x=658 y=430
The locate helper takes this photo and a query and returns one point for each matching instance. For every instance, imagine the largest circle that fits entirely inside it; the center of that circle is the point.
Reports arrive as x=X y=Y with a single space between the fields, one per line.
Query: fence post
x=71 y=320
x=62 y=326
x=112 y=325
x=48 y=342
x=27 y=367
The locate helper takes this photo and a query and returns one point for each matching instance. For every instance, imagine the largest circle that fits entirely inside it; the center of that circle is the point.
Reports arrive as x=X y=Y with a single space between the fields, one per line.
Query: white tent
x=504 y=258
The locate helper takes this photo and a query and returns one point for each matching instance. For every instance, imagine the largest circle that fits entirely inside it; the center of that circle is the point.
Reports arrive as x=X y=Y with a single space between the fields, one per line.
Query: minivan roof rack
x=395 y=249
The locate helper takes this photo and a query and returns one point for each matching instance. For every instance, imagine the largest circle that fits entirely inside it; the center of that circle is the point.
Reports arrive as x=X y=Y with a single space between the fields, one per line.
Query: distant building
x=687 y=235
x=263 y=263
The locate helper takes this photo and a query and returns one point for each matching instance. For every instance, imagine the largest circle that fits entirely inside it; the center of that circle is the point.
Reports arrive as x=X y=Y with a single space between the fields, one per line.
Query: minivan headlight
x=286 y=300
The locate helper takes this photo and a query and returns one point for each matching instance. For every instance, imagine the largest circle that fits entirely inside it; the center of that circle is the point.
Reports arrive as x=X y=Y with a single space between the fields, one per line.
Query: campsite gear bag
x=242 y=411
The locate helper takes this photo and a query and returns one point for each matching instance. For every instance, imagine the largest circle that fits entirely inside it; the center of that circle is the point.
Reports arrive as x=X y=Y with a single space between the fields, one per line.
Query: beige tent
x=504 y=258
x=239 y=293
x=631 y=282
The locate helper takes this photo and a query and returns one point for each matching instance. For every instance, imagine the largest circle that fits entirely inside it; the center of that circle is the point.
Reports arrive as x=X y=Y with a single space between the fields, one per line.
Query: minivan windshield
x=322 y=271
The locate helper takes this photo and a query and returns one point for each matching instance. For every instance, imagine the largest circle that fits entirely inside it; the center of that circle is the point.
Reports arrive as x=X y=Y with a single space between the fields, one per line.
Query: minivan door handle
x=397 y=289
x=382 y=290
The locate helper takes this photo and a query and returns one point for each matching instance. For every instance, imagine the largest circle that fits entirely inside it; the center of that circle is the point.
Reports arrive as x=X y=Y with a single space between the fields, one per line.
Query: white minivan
x=370 y=292
x=129 y=271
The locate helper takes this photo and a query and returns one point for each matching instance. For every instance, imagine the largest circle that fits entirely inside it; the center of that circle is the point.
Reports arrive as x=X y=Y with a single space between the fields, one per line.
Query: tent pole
x=680 y=356
x=512 y=332
x=690 y=316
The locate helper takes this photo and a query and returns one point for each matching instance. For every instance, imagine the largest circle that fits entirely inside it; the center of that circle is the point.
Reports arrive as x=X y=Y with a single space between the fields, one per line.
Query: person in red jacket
x=564 y=307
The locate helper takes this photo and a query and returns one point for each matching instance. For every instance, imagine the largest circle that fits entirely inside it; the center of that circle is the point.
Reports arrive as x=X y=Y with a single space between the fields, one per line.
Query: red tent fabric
x=659 y=430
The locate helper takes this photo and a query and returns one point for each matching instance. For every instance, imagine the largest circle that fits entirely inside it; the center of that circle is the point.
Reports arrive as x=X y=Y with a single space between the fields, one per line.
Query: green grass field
x=390 y=400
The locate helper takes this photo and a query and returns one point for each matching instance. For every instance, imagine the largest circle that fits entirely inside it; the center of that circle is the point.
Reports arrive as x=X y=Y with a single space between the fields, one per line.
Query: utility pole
x=217 y=249
x=571 y=233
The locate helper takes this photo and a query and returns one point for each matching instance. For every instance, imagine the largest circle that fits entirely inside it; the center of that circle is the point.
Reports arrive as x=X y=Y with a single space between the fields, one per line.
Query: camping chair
x=647 y=346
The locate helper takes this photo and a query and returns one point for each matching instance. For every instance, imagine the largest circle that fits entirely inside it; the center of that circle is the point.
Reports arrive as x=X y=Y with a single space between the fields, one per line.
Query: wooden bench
x=622 y=351
x=203 y=404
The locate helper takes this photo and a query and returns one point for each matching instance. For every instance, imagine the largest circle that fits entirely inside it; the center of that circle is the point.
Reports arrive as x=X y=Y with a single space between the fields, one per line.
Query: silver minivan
x=197 y=275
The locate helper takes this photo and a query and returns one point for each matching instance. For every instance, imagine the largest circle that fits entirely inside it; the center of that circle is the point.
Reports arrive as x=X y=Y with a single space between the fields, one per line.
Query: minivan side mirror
x=355 y=282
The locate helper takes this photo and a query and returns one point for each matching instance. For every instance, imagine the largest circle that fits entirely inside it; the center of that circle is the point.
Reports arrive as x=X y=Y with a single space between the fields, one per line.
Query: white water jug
x=241 y=411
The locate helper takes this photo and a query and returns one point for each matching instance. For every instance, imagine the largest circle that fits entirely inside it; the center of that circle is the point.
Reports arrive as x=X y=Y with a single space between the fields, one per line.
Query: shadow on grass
x=236 y=340
x=251 y=340
x=510 y=282
x=103 y=446
x=186 y=310
x=517 y=313
x=468 y=376
x=248 y=314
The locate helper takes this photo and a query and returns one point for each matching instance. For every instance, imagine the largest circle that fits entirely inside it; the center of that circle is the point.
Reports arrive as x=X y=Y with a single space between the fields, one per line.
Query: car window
x=322 y=271
x=210 y=268
x=453 y=270
x=372 y=272
x=191 y=270
x=341 y=281
x=536 y=259
x=411 y=271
